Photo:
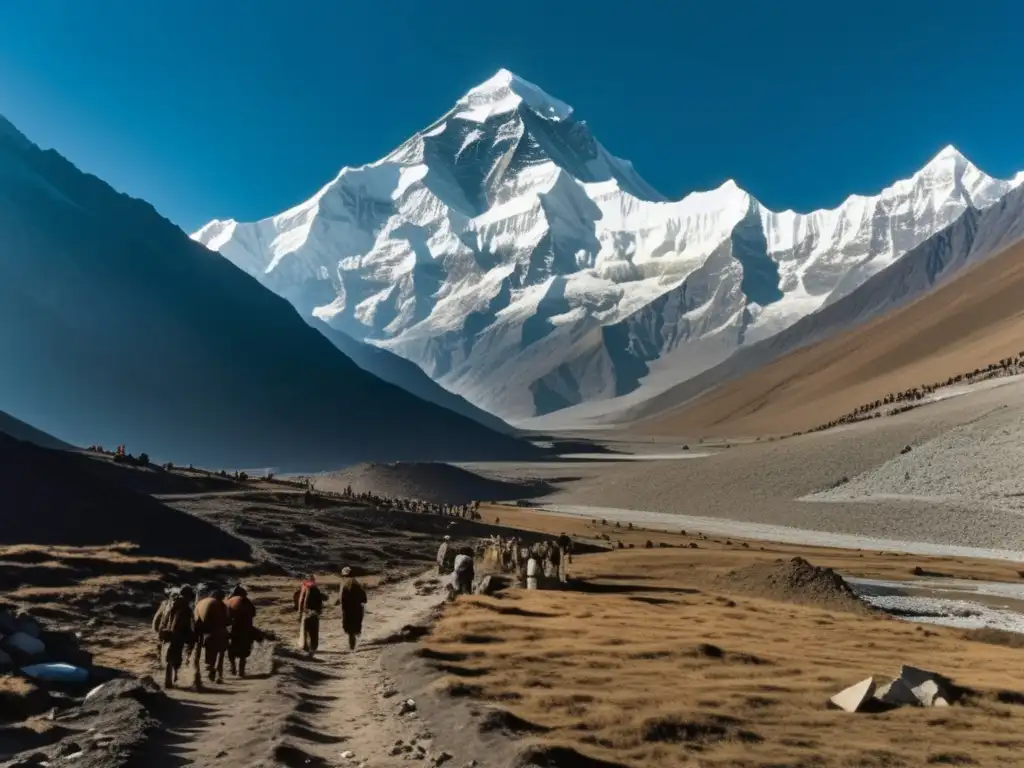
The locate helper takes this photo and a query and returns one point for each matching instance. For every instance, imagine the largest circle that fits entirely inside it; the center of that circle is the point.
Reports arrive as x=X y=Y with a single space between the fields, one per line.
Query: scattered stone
x=406 y=707
x=693 y=545
x=67 y=749
x=23 y=643
x=853 y=698
x=348 y=755
x=442 y=758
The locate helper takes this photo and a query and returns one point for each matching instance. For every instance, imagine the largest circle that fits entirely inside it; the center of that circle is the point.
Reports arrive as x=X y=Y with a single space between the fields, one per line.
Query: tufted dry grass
x=649 y=664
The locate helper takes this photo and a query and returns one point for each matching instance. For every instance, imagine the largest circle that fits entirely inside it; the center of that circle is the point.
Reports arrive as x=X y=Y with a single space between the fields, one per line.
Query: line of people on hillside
x=469 y=511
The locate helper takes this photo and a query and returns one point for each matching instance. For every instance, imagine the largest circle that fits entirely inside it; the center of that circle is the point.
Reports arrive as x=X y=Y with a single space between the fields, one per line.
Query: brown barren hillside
x=970 y=322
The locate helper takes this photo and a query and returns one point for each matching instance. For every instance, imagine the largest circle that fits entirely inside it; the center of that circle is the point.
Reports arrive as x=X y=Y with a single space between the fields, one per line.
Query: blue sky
x=233 y=108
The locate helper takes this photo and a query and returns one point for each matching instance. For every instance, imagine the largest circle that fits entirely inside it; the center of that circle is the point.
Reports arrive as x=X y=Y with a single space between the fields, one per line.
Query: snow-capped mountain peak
x=513 y=258
x=505 y=92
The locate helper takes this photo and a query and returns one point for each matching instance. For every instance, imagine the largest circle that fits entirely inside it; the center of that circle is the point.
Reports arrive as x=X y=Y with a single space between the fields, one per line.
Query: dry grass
x=971 y=322
x=720 y=554
x=651 y=666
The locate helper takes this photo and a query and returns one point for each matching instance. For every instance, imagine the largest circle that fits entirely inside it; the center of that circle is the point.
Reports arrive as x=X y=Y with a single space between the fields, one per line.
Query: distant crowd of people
x=548 y=559
x=470 y=511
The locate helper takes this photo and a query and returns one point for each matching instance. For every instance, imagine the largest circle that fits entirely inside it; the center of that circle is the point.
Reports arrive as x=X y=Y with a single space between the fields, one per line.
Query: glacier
x=522 y=266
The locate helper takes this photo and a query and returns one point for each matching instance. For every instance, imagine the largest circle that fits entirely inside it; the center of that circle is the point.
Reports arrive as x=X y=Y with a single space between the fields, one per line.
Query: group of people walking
x=204 y=624
x=208 y=626
x=309 y=603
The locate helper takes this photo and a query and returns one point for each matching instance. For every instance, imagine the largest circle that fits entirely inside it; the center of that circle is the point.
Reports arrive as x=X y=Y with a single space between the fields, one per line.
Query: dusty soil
x=697 y=650
x=970 y=322
x=428 y=481
x=762 y=482
x=793 y=581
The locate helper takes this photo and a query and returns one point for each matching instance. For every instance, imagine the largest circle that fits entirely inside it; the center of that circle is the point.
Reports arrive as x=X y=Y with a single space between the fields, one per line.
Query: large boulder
x=929 y=688
x=141 y=689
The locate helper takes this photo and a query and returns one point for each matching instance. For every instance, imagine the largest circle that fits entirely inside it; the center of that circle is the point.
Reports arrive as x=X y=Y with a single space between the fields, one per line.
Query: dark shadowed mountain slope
x=19 y=430
x=403 y=373
x=58 y=497
x=115 y=327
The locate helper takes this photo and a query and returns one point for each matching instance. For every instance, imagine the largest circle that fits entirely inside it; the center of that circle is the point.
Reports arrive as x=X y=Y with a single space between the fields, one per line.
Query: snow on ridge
x=504 y=92
x=492 y=248
x=215 y=234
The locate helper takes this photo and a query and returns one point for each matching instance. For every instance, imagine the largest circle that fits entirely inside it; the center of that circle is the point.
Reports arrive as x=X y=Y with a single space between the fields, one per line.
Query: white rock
x=94 y=691
x=852 y=699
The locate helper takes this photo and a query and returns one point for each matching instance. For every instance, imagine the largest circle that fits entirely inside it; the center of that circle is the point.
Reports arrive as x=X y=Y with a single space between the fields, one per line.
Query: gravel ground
x=762 y=483
x=976 y=465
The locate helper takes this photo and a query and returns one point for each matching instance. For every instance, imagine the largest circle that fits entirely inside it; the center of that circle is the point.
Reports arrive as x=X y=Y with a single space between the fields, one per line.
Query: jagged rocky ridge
x=516 y=261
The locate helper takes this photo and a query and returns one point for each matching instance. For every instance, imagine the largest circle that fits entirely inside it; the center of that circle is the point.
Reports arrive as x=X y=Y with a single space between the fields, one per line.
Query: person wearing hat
x=241 y=624
x=442 y=555
x=353 y=598
x=175 y=630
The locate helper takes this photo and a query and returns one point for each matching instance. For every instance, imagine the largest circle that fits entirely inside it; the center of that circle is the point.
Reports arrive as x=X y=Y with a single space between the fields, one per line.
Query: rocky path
x=335 y=710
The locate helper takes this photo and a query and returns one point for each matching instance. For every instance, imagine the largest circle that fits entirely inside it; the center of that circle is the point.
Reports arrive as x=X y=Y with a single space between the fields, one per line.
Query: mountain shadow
x=115 y=327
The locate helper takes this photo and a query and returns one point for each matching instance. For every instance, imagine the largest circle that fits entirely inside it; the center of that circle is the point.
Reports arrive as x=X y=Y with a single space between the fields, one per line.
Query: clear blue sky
x=241 y=108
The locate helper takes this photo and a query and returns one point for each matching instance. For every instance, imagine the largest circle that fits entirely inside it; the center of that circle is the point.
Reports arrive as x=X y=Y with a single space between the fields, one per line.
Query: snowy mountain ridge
x=514 y=259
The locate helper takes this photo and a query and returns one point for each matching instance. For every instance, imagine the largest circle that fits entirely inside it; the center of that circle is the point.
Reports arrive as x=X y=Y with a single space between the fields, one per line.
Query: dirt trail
x=307 y=712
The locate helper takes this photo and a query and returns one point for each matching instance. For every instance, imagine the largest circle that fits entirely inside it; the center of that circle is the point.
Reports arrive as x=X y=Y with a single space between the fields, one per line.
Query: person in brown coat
x=241 y=624
x=353 y=598
x=175 y=630
x=211 y=636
